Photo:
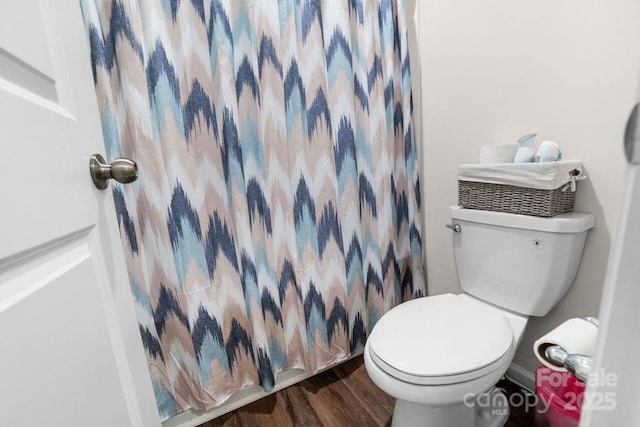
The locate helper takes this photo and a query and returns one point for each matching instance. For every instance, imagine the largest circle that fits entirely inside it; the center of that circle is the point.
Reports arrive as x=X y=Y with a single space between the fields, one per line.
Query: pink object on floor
x=560 y=398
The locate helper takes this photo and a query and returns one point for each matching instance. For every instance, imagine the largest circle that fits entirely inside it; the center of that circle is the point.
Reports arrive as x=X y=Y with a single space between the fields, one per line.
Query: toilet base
x=489 y=409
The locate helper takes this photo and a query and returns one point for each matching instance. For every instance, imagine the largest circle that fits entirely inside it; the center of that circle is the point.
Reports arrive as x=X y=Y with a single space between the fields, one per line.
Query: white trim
x=244 y=397
x=522 y=377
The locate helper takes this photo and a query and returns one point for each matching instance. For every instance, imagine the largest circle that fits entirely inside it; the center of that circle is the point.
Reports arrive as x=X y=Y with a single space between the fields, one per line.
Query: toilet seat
x=443 y=339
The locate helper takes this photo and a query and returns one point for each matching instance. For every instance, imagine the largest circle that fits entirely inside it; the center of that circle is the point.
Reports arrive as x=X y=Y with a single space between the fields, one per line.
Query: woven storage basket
x=512 y=199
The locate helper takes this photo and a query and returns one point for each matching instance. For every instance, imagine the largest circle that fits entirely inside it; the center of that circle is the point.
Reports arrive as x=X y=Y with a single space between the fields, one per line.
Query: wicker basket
x=512 y=199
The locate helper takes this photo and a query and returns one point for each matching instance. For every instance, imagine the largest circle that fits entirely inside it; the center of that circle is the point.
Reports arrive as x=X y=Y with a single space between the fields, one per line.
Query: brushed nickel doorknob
x=122 y=170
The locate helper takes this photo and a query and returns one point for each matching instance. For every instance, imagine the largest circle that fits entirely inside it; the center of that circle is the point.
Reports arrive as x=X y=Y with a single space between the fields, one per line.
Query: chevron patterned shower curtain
x=276 y=217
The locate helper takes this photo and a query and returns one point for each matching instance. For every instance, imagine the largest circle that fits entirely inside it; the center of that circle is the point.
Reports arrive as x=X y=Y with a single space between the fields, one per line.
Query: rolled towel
x=498 y=153
x=575 y=336
x=548 y=152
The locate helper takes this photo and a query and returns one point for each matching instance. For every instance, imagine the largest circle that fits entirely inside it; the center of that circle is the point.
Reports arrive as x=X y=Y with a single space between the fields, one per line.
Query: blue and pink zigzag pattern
x=277 y=213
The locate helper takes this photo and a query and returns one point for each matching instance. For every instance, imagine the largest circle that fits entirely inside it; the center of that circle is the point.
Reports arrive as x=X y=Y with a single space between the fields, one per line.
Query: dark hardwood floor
x=342 y=396
x=522 y=408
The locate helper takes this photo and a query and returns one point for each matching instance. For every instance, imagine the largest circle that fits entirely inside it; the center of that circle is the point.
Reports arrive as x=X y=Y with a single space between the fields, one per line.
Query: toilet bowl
x=466 y=357
x=437 y=354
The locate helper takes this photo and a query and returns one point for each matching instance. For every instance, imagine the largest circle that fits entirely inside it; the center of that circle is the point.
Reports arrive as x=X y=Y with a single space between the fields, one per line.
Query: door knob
x=122 y=170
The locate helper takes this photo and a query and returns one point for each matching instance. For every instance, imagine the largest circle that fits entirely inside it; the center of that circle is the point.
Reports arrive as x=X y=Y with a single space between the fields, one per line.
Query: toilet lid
x=440 y=336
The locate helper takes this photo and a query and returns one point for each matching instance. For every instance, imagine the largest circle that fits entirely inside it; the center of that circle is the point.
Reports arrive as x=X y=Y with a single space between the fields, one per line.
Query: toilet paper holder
x=578 y=365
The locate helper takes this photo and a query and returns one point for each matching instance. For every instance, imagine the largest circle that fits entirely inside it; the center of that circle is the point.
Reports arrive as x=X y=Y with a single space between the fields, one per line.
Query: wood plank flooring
x=342 y=396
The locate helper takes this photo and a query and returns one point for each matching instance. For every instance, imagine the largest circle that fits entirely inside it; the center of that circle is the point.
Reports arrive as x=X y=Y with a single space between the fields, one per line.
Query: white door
x=613 y=392
x=70 y=350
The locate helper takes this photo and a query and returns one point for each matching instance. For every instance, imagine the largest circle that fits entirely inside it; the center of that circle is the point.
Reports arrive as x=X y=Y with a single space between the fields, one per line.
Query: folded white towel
x=543 y=176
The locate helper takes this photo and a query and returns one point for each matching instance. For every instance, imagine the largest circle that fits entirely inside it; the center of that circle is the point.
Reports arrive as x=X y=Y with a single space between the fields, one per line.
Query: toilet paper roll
x=575 y=336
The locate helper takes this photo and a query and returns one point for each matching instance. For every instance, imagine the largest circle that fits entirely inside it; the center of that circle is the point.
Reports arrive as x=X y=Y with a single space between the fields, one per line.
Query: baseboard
x=244 y=397
x=521 y=376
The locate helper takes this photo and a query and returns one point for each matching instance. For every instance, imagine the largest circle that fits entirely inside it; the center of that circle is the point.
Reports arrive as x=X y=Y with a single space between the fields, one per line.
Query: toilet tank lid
x=570 y=222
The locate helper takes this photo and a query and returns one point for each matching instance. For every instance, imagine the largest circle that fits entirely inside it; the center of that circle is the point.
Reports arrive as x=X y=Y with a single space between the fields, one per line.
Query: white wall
x=491 y=71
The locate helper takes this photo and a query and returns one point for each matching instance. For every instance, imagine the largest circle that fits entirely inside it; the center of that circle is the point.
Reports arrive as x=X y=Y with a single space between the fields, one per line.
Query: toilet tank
x=525 y=264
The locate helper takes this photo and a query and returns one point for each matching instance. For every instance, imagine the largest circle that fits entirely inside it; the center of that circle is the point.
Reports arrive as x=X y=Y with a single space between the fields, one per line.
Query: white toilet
x=441 y=356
